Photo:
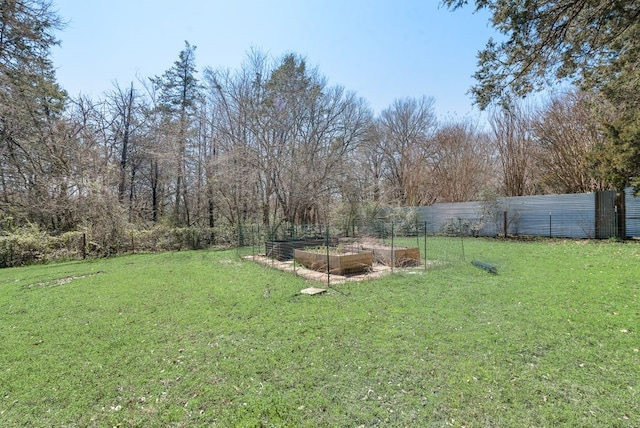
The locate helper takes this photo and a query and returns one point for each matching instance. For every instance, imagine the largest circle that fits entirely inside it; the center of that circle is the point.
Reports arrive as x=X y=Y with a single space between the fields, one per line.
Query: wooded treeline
x=268 y=143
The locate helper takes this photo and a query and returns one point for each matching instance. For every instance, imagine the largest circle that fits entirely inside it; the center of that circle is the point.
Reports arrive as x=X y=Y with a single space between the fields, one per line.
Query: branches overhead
x=591 y=43
x=594 y=44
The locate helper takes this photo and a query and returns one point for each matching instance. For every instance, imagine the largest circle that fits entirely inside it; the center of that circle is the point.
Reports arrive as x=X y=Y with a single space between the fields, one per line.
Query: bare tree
x=405 y=131
x=463 y=163
x=235 y=167
x=512 y=137
x=123 y=104
x=565 y=131
x=370 y=162
x=156 y=157
x=291 y=129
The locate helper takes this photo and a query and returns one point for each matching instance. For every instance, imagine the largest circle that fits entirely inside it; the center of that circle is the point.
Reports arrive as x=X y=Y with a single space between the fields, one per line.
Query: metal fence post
x=327 y=247
x=425 y=245
x=505 y=225
x=84 y=246
x=393 y=258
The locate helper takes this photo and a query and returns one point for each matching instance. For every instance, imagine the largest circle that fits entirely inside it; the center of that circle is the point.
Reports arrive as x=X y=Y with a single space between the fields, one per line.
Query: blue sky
x=382 y=50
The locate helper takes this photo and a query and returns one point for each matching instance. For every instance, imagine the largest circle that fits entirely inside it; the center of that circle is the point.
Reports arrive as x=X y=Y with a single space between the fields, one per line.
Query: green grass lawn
x=203 y=338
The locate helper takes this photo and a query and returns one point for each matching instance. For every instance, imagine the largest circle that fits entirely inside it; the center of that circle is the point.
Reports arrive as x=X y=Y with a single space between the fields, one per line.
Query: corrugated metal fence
x=632 y=213
x=587 y=215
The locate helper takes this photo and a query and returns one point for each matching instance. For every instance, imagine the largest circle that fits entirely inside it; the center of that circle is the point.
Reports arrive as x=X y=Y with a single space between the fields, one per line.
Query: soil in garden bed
x=336 y=261
x=288 y=266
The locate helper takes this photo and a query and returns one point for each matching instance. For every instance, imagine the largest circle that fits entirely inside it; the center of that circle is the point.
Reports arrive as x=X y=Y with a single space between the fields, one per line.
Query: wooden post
x=84 y=246
x=506 y=224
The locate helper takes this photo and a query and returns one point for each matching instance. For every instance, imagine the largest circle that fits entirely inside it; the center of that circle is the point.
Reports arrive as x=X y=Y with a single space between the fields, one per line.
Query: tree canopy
x=593 y=43
x=30 y=102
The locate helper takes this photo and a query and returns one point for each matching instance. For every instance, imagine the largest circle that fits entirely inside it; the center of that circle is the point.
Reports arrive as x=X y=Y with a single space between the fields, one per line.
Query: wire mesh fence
x=330 y=253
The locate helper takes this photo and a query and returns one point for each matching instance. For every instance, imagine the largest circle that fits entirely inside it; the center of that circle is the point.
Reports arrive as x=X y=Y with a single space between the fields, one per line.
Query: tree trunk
x=154 y=190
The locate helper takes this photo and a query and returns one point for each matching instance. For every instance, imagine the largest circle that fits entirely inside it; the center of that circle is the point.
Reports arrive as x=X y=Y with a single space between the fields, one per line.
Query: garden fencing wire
x=394 y=246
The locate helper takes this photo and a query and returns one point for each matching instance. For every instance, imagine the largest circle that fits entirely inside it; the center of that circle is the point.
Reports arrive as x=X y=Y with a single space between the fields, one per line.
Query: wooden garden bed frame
x=383 y=254
x=339 y=263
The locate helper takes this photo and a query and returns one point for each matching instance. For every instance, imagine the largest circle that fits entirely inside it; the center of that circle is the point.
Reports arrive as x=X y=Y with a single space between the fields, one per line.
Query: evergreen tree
x=30 y=103
x=594 y=44
x=179 y=94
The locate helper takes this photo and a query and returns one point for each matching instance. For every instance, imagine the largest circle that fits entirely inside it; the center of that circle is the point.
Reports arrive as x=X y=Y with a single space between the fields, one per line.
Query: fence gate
x=607 y=215
x=632 y=213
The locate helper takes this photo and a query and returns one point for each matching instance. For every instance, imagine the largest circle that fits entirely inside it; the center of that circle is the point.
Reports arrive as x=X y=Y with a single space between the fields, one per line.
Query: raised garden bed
x=283 y=249
x=339 y=263
x=399 y=257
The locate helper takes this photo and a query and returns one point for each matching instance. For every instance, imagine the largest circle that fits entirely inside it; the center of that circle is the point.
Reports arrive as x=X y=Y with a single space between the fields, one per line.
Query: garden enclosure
x=380 y=243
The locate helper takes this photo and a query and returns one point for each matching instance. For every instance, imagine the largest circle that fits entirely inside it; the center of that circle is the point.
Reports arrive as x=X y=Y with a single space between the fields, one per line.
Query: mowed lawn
x=204 y=338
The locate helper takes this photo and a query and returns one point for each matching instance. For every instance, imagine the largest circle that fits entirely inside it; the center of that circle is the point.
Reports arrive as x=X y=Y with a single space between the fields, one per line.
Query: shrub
x=24 y=246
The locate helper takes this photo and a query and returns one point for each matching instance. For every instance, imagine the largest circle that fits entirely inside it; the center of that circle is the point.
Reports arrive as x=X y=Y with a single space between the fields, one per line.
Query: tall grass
x=203 y=338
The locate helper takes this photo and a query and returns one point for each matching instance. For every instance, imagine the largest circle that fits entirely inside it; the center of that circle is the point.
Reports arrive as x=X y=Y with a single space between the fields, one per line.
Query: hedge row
x=29 y=245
